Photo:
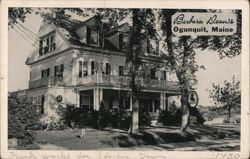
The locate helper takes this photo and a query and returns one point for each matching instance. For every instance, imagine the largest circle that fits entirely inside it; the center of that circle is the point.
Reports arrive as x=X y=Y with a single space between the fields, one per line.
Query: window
x=45 y=73
x=153 y=73
x=92 y=36
x=124 y=41
x=121 y=70
x=59 y=71
x=83 y=69
x=94 y=67
x=47 y=44
x=153 y=47
x=108 y=68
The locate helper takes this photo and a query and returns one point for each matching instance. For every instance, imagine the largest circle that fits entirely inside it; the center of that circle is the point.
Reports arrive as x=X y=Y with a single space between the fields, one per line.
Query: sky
x=19 y=49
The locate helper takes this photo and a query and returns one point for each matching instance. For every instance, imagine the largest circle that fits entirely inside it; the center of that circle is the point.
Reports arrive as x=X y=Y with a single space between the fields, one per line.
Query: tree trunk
x=134 y=128
x=182 y=80
x=185 y=113
x=229 y=114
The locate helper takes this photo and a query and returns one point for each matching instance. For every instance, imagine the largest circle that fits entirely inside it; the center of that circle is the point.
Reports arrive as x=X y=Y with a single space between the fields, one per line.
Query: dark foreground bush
x=172 y=117
x=199 y=116
x=23 y=116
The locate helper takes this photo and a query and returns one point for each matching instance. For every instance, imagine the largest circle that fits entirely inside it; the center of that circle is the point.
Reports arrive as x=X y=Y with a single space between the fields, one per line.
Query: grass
x=198 y=138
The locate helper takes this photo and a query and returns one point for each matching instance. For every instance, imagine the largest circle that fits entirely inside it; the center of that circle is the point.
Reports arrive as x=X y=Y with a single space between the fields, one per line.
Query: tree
x=226 y=96
x=16 y=14
x=181 y=54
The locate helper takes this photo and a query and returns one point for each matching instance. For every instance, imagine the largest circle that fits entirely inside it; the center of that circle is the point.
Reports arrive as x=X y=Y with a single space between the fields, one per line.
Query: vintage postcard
x=124 y=79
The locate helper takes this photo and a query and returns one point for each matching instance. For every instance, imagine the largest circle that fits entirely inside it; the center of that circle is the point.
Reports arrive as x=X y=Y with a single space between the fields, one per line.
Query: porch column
x=98 y=96
x=162 y=101
x=77 y=98
x=95 y=96
x=131 y=102
x=153 y=105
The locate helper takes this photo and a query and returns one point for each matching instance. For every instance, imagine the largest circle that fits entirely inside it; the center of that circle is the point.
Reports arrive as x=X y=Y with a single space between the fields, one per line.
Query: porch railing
x=125 y=80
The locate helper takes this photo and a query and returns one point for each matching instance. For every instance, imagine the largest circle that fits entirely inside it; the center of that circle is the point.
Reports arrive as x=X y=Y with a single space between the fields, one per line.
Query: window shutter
x=61 y=70
x=42 y=104
x=88 y=35
x=47 y=41
x=56 y=71
x=92 y=67
x=152 y=73
x=108 y=68
x=80 y=68
x=42 y=74
x=121 y=70
x=48 y=72
x=100 y=39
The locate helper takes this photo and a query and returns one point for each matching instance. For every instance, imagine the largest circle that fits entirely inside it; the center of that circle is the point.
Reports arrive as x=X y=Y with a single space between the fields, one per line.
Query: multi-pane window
x=59 y=71
x=92 y=36
x=83 y=69
x=45 y=73
x=124 y=41
x=47 y=44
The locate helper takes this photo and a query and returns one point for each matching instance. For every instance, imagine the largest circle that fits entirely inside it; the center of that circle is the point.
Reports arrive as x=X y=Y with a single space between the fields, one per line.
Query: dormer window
x=124 y=41
x=47 y=44
x=92 y=36
x=153 y=47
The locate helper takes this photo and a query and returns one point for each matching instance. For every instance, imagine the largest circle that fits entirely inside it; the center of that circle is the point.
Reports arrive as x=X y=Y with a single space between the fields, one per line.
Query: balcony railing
x=108 y=80
x=114 y=80
x=49 y=81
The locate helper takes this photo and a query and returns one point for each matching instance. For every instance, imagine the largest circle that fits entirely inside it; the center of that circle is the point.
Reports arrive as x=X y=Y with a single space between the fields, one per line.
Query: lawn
x=197 y=138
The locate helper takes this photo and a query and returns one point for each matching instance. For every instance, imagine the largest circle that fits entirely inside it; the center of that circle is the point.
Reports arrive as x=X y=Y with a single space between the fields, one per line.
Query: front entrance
x=86 y=101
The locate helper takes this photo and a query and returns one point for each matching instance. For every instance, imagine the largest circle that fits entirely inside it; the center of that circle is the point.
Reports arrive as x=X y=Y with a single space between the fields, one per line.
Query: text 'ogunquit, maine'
x=195 y=24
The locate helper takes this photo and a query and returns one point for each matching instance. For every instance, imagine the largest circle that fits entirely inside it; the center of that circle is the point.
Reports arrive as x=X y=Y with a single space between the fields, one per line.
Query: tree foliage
x=226 y=96
x=17 y=14
x=23 y=116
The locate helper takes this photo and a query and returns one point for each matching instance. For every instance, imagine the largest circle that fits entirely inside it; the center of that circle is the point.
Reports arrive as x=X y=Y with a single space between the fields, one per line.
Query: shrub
x=171 y=117
x=23 y=115
x=120 y=119
x=144 y=118
x=199 y=116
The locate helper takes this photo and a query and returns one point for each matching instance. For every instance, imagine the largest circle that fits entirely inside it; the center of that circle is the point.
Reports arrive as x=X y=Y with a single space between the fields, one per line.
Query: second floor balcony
x=105 y=80
x=124 y=81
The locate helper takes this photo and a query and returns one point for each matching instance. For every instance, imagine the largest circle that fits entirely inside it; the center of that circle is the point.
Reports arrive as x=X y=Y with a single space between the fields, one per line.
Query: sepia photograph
x=124 y=79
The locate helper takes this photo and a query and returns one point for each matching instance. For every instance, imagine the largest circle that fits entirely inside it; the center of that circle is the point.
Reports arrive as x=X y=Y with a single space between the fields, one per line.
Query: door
x=84 y=103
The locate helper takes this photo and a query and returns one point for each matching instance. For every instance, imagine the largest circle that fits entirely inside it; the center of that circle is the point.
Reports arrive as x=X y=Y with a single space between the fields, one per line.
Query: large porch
x=150 y=102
